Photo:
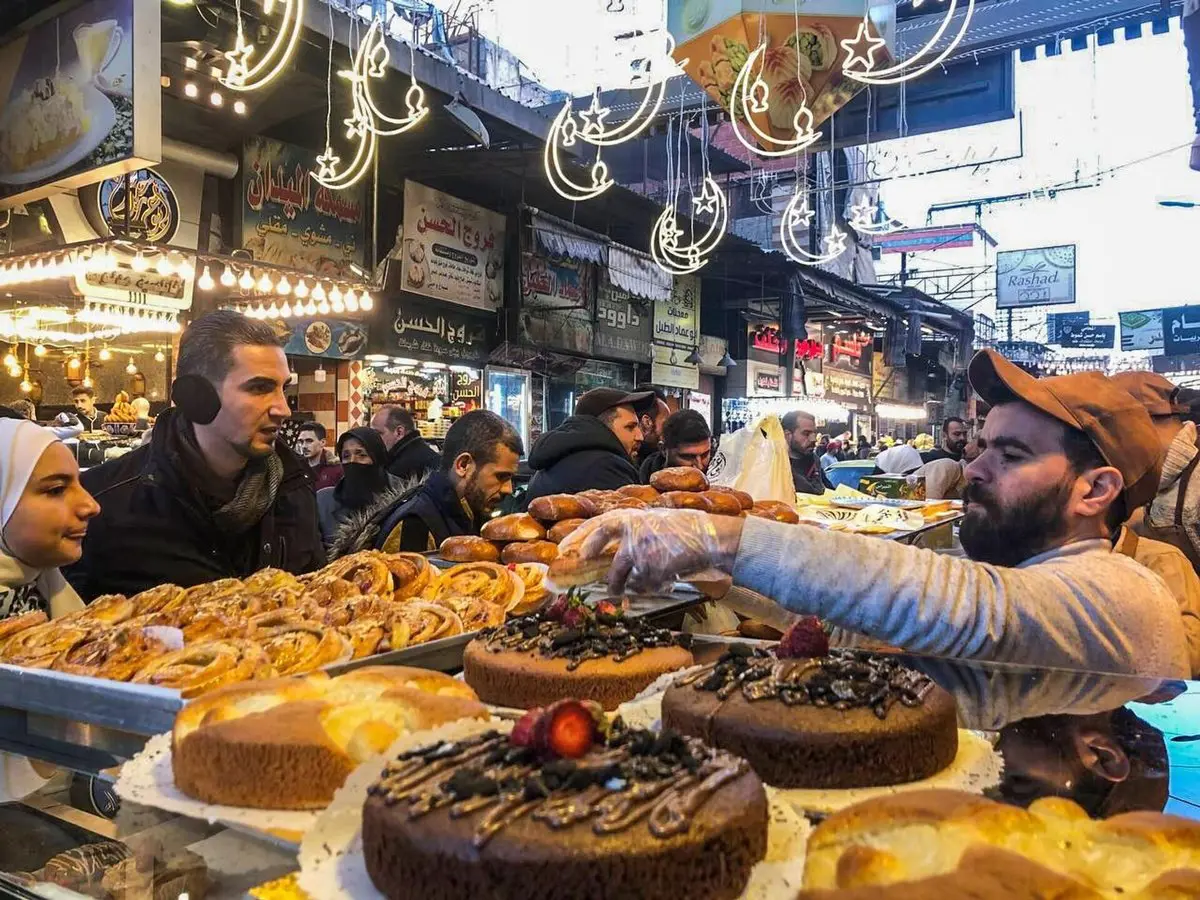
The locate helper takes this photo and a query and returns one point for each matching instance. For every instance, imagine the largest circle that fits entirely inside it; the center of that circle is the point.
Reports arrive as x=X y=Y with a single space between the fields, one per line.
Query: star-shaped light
x=800 y=215
x=593 y=117
x=327 y=164
x=862 y=49
x=670 y=233
x=706 y=202
x=239 y=61
x=863 y=213
x=356 y=126
x=835 y=242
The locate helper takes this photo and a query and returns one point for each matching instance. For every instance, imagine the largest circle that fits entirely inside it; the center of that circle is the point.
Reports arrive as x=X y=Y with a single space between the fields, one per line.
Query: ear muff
x=196 y=398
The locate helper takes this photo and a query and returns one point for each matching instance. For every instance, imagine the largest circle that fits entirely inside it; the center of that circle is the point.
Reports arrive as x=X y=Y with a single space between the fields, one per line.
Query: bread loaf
x=679 y=478
x=529 y=551
x=721 y=504
x=469 y=548
x=643 y=492
x=774 y=510
x=561 y=529
x=687 y=500
x=556 y=507
x=515 y=527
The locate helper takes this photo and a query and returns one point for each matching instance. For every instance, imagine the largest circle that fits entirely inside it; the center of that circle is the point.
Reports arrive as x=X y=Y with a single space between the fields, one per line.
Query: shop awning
x=558 y=237
x=634 y=271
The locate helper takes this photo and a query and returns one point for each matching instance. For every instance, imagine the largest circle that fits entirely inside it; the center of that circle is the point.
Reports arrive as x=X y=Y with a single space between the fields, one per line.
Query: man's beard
x=476 y=499
x=1008 y=535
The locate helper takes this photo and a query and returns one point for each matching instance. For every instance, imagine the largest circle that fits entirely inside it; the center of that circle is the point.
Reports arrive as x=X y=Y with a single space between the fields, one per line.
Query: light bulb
x=285 y=310
x=186 y=270
x=284 y=287
x=272 y=311
x=335 y=296
x=239 y=107
x=366 y=301
x=105 y=354
x=227 y=278
x=311 y=309
x=87 y=381
x=206 y=282
x=25 y=386
x=215 y=98
x=323 y=307
x=139 y=263
x=351 y=301
x=164 y=266
x=39 y=350
x=132 y=367
x=10 y=361
x=301 y=289
x=246 y=281
x=265 y=284
x=191 y=91
x=337 y=304
x=318 y=292
x=15 y=372
x=73 y=362
x=160 y=357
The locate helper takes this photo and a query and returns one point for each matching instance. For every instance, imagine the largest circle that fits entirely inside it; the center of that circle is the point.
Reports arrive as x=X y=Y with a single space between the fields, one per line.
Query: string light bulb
x=73 y=363
x=337 y=304
x=87 y=379
x=323 y=307
x=139 y=263
x=318 y=292
x=132 y=367
x=285 y=310
x=246 y=281
x=164 y=266
x=159 y=356
x=10 y=361
x=25 y=385
x=284 y=287
x=265 y=284
x=335 y=295
x=272 y=311
x=301 y=289
x=206 y=282
x=366 y=301
x=105 y=354
x=351 y=301
x=227 y=277
x=311 y=309
x=40 y=350
x=186 y=270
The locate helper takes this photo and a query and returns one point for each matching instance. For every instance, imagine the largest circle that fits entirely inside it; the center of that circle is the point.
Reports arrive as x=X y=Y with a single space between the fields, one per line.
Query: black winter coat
x=410 y=457
x=154 y=527
x=579 y=455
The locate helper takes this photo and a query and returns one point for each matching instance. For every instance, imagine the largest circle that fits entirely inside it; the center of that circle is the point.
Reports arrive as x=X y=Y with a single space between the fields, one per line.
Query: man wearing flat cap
x=594 y=448
x=1062 y=461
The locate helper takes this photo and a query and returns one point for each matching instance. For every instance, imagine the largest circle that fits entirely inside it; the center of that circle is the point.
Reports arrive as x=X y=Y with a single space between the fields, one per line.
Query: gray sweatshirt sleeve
x=1084 y=609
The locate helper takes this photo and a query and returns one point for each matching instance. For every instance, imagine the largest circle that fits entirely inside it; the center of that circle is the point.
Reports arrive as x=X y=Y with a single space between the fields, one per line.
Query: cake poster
x=81 y=99
x=290 y=219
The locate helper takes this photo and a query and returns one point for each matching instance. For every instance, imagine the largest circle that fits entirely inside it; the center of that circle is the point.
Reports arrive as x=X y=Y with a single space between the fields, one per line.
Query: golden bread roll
x=643 y=492
x=679 y=478
x=529 y=551
x=419 y=621
x=556 y=507
x=561 y=529
x=110 y=609
x=213 y=590
x=473 y=612
x=327 y=590
x=774 y=510
x=290 y=743
x=515 y=527
x=469 y=548
x=204 y=667
x=687 y=500
x=266 y=581
x=721 y=504
x=746 y=501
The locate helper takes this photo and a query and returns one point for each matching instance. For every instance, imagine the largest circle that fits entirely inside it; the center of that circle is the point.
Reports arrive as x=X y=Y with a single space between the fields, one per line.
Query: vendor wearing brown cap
x=1062 y=460
x=593 y=448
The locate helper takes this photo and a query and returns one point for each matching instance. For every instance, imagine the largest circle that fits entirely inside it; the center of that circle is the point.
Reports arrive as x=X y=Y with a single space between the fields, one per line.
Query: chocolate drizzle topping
x=633 y=776
x=595 y=637
x=845 y=679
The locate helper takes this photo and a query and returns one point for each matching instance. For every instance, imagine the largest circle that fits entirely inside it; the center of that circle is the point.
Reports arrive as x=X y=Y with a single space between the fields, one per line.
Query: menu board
x=290 y=219
x=623 y=326
x=852 y=391
x=453 y=250
x=677 y=318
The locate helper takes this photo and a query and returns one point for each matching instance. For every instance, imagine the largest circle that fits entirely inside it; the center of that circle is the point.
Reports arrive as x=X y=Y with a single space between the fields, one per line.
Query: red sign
x=923 y=240
x=769 y=339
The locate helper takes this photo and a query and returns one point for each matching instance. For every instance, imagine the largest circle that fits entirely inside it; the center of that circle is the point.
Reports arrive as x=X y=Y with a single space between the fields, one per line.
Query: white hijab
x=22 y=444
x=900 y=460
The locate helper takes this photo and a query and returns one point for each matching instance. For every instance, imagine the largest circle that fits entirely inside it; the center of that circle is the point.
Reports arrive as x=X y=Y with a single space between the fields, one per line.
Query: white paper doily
x=148 y=779
x=977 y=767
x=331 y=858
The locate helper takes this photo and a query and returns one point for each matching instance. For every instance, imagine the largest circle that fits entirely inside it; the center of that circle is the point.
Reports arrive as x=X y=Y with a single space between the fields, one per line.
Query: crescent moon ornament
x=756 y=99
x=864 y=216
x=862 y=49
x=244 y=76
x=797 y=213
x=564 y=129
x=669 y=254
x=371 y=63
x=328 y=175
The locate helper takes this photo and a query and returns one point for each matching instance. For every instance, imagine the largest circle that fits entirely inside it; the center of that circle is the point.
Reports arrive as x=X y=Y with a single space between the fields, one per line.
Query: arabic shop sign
x=849 y=351
x=1090 y=337
x=767 y=338
x=1063 y=325
x=677 y=318
x=453 y=250
x=1142 y=329
x=289 y=219
x=670 y=370
x=1044 y=276
x=1181 y=330
x=555 y=283
x=122 y=284
x=851 y=391
x=623 y=327
x=140 y=205
x=444 y=333
x=322 y=337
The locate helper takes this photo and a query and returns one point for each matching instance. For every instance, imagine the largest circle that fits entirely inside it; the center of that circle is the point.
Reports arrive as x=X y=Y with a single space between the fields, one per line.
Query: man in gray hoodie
x=1062 y=460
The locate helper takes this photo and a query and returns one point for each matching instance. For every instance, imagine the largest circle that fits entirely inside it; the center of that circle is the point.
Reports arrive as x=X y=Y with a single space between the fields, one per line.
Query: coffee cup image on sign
x=318 y=337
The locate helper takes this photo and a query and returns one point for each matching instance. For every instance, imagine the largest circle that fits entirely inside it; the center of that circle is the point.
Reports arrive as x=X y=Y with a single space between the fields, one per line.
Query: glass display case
x=509 y=394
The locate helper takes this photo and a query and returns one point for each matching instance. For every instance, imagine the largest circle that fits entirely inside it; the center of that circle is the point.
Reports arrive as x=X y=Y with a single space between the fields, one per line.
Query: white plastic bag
x=756 y=461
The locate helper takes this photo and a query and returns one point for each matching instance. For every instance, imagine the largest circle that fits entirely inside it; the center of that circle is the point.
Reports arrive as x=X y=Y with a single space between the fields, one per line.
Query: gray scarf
x=255 y=495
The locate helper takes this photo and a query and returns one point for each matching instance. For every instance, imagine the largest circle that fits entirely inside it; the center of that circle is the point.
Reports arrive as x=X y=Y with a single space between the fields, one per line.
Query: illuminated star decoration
x=327 y=164
x=862 y=49
x=593 y=117
x=239 y=60
x=801 y=215
x=706 y=202
x=835 y=242
x=863 y=213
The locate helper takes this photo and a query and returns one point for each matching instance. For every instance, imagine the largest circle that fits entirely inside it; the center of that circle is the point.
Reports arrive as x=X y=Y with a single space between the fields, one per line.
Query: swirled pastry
x=164 y=598
x=411 y=574
x=13 y=624
x=474 y=612
x=366 y=570
x=213 y=590
x=492 y=582
x=40 y=646
x=327 y=590
x=118 y=654
x=296 y=648
x=267 y=581
x=418 y=622
x=110 y=609
x=202 y=667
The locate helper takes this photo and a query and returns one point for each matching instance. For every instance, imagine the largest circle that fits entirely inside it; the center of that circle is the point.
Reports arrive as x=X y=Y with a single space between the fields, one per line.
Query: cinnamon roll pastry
x=213 y=590
x=109 y=609
x=492 y=582
x=212 y=626
x=117 y=654
x=411 y=574
x=533 y=576
x=366 y=570
x=417 y=622
x=40 y=646
x=301 y=647
x=272 y=619
x=202 y=667
x=328 y=590
x=364 y=636
x=13 y=624
x=164 y=598
x=474 y=612
x=348 y=611
x=267 y=581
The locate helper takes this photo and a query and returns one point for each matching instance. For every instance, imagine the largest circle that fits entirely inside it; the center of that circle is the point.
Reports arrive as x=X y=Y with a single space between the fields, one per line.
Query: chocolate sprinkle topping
x=663 y=778
x=595 y=637
x=845 y=679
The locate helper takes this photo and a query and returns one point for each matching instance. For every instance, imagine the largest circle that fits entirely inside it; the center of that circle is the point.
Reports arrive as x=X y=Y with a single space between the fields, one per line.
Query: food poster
x=67 y=87
x=323 y=337
x=290 y=219
x=453 y=250
x=801 y=60
x=1142 y=329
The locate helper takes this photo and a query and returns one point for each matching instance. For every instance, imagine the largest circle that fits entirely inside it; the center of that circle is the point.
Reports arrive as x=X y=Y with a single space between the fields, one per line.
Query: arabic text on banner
x=445 y=333
x=555 y=283
x=623 y=326
x=677 y=319
x=453 y=250
x=1142 y=329
x=1181 y=330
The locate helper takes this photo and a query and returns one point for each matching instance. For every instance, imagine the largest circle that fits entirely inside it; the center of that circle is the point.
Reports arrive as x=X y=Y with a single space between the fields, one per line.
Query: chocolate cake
x=845 y=720
x=571 y=650
x=636 y=814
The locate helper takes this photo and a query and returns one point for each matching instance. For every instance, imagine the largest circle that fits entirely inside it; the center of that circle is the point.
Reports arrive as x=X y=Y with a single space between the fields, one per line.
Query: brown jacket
x=1169 y=564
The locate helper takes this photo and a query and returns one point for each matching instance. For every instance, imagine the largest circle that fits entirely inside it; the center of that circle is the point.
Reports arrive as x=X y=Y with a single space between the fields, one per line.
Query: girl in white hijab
x=44 y=513
x=899 y=460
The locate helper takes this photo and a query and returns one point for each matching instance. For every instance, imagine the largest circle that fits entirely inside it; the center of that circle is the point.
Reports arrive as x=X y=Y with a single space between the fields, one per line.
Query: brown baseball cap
x=1159 y=396
x=1114 y=421
x=599 y=400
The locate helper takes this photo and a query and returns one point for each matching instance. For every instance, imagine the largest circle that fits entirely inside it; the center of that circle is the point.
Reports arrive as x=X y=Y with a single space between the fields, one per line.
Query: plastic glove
x=656 y=546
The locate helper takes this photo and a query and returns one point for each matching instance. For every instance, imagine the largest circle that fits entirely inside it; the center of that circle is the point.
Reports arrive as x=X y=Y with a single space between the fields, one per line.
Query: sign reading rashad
x=622 y=325
x=290 y=219
x=1044 y=276
x=677 y=319
x=431 y=329
x=140 y=205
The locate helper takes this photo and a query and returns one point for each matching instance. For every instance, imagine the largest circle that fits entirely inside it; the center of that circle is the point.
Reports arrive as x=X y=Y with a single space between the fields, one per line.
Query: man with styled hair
x=216 y=493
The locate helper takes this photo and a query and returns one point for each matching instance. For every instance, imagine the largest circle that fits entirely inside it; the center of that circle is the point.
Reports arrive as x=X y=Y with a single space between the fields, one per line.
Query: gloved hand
x=656 y=546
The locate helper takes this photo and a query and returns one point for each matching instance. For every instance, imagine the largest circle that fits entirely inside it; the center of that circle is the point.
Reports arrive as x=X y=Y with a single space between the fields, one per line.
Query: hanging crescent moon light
x=241 y=76
x=757 y=100
x=665 y=248
x=328 y=174
x=862 y=49
x=564 y=129
x=797 y=212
